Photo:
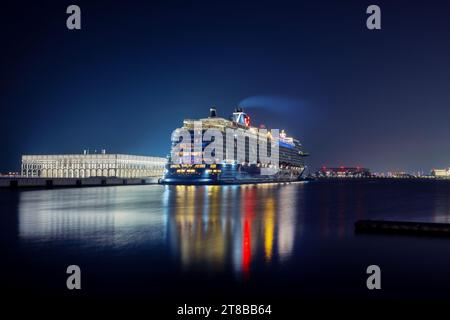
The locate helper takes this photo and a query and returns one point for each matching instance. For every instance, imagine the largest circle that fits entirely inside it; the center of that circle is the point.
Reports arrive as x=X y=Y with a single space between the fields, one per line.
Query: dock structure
x=402 y=227
x=80 y=170
x=91 y=165
x=25 y=182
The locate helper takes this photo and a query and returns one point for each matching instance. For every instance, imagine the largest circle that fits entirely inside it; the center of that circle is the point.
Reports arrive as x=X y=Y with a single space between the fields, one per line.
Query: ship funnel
x=212 y=112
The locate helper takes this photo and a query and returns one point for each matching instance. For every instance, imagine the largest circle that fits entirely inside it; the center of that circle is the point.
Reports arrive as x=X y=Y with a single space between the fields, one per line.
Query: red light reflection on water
x=249 y=208
x=246 y=249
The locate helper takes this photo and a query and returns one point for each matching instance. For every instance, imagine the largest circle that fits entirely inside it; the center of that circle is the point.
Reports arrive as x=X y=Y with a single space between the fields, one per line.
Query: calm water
x=273 y=241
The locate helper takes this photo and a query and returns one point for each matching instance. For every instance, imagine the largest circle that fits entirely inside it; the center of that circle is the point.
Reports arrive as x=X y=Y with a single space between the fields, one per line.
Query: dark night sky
x=379 y=99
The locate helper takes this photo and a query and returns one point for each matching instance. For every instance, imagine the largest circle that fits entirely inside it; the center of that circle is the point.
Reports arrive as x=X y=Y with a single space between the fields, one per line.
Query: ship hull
x=226 y=174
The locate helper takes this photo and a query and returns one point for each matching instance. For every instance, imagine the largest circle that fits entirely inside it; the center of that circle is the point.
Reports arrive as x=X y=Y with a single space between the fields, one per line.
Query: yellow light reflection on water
x=269 y=227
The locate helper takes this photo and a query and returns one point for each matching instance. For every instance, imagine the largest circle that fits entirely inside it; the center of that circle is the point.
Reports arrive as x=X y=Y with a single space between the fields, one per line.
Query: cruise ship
x=238 y=166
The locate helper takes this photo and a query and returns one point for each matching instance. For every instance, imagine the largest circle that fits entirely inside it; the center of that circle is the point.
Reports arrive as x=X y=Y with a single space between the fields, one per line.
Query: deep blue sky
x=379 y=99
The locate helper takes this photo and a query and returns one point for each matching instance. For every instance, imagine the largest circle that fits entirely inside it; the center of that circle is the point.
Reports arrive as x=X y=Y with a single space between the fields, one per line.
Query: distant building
x=10 y=174
x=343 y=172
x=441 y=173
x=400 y=174
x=92 y=165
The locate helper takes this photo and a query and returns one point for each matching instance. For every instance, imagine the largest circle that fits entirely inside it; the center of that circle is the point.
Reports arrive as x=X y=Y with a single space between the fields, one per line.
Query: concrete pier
x=402 y=227
x=24 y=182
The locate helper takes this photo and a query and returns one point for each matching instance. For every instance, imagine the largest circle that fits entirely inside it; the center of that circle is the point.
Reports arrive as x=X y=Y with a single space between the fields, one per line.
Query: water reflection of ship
x=213 y=227
x=210 y=227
